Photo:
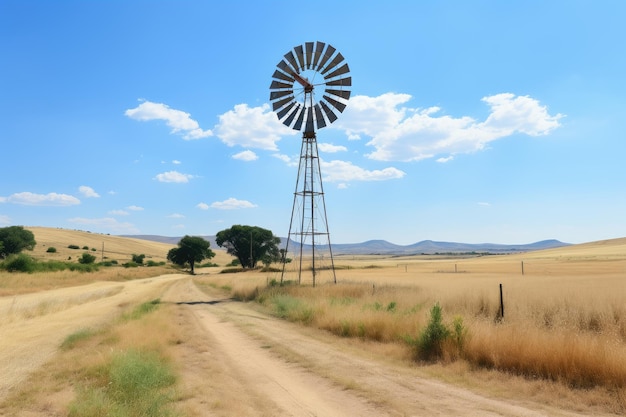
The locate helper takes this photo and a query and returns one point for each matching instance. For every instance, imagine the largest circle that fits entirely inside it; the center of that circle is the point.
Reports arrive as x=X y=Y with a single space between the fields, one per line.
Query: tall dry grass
x=564 y=318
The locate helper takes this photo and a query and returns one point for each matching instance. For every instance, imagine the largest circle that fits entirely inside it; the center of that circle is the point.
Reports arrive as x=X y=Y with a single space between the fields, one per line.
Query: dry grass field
x=562 y=339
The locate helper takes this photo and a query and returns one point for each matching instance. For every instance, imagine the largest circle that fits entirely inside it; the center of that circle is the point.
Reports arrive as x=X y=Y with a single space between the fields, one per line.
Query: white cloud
x=51 y=199
x=484 y=204
x=118 y=213
x=176 y=216
x=105 y=225
x=246 y=156
x=135 y=208
x=443 y=160
x=88 y=192
x=342 y=171
x=203 y=206
x=180 y=121
x=232 y=204
x=176 y=162
x=173 y=176
x=251 y=127
x=330 y=148
x=286 y=159
x=400 y=133
x=5 y=219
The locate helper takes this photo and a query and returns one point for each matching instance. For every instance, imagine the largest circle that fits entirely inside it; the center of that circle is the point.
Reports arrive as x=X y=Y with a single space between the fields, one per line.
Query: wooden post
x=501 y=303
x=522 y=267
x=455 y=268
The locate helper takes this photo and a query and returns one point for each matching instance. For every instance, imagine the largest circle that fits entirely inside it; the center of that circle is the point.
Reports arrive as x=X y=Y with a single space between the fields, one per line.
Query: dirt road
x=237 y=361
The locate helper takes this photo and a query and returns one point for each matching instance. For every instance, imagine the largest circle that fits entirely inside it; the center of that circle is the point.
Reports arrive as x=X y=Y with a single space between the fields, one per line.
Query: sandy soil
x=237 y=361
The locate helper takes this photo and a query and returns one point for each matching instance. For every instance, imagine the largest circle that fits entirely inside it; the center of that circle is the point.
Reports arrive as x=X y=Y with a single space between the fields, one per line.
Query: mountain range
x=382 y=247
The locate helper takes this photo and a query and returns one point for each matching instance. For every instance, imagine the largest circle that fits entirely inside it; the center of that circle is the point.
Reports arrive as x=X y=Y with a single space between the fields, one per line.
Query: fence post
x=522 y=267
x=501 y=303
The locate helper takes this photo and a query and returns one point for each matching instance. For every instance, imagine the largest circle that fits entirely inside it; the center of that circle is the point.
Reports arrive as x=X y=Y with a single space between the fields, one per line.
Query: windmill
x=309 y=86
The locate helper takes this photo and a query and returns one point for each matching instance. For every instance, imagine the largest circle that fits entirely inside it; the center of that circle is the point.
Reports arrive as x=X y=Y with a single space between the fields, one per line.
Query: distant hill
x=382 y=247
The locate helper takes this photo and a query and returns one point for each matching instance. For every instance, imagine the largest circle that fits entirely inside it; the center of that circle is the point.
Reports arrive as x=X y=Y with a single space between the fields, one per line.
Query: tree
x=14 y=239
x=249 y=244
x=138 y=259
x=190 y=250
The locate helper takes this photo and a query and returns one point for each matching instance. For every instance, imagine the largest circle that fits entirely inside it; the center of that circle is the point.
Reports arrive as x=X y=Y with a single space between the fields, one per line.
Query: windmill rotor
x=310 y=85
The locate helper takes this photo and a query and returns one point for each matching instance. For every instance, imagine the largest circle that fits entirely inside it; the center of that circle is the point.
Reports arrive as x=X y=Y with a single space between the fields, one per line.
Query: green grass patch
x=133 y=383
x=73 y=339
x=142 y=309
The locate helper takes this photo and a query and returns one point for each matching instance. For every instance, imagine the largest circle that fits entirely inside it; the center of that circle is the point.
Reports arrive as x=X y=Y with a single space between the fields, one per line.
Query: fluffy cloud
x=135 y=208
x=330 y=148
x=232 y=204
x=180 y=121
x=251 y=127
x=173 y=176
x=51 y=199
x=342 y=171
x=88 y=192
x=400 y=133
x=246 y=156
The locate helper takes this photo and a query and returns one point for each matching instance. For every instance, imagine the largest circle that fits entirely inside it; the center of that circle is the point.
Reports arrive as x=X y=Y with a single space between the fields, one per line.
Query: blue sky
x=469 y=121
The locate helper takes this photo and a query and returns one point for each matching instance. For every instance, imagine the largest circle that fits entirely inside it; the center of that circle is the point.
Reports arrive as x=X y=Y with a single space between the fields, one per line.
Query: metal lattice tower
x=298 y=76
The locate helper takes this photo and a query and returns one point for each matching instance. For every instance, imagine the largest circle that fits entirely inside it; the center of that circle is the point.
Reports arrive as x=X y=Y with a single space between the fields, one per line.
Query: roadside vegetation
x=552 y=331
x=124 y=370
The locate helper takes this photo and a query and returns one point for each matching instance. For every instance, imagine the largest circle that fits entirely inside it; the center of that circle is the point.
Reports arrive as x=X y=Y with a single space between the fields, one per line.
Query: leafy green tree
x=190 y=250
x=249 y=244
x=138 y=259
x=14 y=239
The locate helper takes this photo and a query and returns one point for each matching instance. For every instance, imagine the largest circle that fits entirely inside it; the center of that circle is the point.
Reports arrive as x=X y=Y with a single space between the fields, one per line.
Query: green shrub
x=130 y=264
x=87 y=258
x=51 y=249
x=138 y=259
x=430 y=341
x=85 y=247
x=73 y=247
x=19 y=263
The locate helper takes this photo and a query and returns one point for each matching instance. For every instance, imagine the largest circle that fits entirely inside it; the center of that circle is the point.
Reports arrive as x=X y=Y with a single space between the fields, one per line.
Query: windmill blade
x=327 y=55
x=293 y=114
x=309 y=121
x=329 y=113
x=277 y=85
x=274 y=95
x=282 y=76
x=332 y=64
x=292 y=61
x=280 y=103
x=300 y=119
x=309 y=53
x=339 y=71
x=339 y=106
x=344 y=94
x=319 y=117
x=300 y=56
x=319 y=48
x=286 y=68
x=285 y=110
x=341 y=82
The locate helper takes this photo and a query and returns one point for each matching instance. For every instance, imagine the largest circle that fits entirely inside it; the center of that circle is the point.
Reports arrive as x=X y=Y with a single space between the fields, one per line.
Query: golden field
x=564 y=309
